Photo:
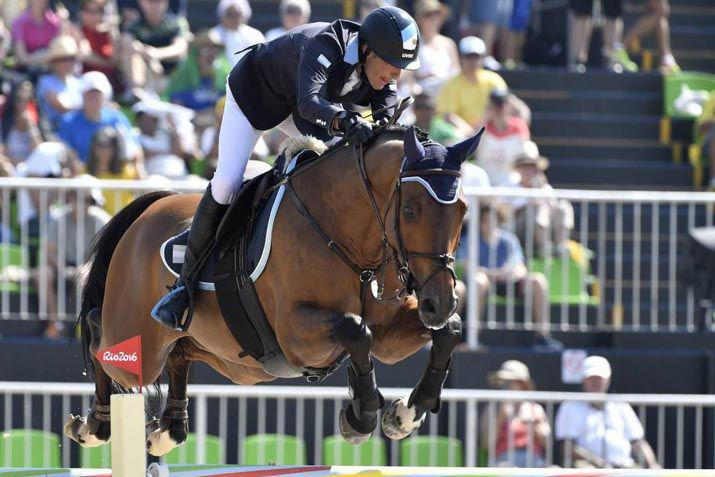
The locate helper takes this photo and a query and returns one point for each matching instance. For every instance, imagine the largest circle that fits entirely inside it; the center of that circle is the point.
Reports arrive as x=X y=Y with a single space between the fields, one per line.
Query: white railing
x=631 y=281
x=679 y=427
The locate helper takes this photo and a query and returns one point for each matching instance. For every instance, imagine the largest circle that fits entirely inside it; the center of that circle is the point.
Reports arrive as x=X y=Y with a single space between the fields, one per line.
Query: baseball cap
x=596 y=366
x=529 y=154
x=95 y=80
x=472 y=45
x=511 y=370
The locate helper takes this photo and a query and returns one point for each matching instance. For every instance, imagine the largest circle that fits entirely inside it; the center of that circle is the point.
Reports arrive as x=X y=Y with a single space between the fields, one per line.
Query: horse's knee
x=350 y=331
x=449 y=336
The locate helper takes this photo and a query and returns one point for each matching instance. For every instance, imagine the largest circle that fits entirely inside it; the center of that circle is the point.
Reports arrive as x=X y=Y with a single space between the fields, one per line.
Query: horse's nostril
x=428 y=306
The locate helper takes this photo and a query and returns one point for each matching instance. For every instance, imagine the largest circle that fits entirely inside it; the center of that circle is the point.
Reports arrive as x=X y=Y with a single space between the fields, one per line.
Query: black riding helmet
x=392 y=34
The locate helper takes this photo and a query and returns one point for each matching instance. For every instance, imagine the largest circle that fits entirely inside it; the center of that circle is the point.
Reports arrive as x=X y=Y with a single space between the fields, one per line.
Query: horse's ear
x=414 y=151
x=466 y=148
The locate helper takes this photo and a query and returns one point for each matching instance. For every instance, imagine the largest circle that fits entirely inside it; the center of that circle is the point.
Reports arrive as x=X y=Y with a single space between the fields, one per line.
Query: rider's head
x=390 y=42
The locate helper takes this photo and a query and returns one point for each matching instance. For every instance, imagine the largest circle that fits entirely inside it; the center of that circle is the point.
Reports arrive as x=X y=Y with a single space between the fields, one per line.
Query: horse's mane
x=392 y=129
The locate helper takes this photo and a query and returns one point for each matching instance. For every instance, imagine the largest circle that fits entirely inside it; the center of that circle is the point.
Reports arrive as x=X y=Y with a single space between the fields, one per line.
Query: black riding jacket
x=309 y=72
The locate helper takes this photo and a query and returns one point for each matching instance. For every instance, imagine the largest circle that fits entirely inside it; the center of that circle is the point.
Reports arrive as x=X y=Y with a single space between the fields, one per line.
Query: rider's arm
x=316 y=59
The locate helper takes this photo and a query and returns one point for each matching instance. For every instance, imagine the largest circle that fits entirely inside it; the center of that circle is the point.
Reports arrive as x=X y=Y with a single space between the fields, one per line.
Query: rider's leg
x=237 y=139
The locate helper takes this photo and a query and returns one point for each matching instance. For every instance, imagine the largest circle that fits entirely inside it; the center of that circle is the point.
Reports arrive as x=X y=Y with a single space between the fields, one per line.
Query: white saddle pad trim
x=427 y=186
x=174 y=253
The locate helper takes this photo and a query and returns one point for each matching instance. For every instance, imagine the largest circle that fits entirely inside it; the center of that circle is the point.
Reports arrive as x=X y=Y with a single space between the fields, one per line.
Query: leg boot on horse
x=359 y=419
x=169 y=311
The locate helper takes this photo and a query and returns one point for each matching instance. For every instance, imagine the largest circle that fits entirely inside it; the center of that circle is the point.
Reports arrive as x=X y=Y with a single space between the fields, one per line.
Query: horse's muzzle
x=435 y=311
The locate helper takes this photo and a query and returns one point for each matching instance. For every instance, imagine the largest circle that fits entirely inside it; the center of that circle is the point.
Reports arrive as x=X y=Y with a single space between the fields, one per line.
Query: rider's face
x=379 y=72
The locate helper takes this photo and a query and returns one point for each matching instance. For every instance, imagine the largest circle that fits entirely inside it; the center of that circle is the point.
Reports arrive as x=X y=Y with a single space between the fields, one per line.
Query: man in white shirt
x=601 y=434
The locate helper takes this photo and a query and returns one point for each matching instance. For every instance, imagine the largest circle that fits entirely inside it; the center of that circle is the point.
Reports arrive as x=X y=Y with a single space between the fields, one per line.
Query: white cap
x=45 y=160
x=96 y=80
x=302 y=5
x=241 y=5
x=596 y=366
x=472 y=45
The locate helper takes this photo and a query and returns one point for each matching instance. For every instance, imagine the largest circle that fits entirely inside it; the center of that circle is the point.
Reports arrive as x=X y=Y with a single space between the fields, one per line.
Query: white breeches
x=235 y=144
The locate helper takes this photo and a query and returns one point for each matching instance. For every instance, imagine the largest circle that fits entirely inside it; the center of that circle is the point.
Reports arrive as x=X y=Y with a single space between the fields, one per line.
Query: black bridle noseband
x=398 y=253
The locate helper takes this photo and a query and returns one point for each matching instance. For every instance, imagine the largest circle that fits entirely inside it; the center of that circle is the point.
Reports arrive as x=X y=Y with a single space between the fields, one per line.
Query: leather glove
x=354 y=127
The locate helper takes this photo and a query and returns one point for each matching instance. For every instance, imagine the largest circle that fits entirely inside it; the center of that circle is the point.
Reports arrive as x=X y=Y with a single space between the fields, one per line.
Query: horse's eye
x=408 y=211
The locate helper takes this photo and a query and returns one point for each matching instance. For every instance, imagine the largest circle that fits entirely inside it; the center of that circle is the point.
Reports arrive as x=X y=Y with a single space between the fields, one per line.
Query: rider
x=297 y=82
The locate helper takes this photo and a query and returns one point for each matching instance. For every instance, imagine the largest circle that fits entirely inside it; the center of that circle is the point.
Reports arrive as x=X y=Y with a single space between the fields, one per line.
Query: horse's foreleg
x=171 y=430
x=405 y=415
x=358 y=419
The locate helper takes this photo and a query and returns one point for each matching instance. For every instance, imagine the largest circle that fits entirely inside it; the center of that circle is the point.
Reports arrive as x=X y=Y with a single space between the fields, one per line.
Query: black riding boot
x=170 y=310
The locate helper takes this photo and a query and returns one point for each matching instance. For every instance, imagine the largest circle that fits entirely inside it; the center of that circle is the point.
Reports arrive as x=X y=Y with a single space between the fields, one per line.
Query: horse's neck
x=336 y=195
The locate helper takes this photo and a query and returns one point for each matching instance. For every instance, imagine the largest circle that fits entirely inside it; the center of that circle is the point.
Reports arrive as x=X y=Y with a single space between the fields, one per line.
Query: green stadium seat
x=29 y=448
x=267 y=449
x=95 y=457
x=673 y=86
x=11 y=255
x=431 y=451
x=336 y=451
x=187 y=453
x=568 y=280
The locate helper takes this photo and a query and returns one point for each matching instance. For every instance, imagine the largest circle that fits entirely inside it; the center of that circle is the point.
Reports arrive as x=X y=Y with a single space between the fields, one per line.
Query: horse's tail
x=100 y=253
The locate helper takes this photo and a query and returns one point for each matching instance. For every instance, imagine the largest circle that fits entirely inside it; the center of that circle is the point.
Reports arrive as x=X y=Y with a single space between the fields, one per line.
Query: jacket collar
x=352 y=55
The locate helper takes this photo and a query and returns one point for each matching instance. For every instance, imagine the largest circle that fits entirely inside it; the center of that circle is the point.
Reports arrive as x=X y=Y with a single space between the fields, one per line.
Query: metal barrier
x=679 y=427
x=630 y=281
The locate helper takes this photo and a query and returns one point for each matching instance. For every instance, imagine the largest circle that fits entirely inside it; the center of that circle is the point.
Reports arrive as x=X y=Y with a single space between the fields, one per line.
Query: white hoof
x=399 y=420
x=160 y=443
x=76 y=429
x=157 y=470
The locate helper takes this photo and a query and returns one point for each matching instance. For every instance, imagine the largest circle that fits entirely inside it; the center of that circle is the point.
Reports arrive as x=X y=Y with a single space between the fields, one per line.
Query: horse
x=361 y=266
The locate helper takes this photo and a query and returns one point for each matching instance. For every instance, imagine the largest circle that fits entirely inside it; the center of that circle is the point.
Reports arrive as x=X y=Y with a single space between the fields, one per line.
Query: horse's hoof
x=349 y=434
x=159 y=442
x=399 y=420
x=76 y=429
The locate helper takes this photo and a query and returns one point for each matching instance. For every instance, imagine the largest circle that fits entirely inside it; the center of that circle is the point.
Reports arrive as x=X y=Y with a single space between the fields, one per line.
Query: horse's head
x=429 y=221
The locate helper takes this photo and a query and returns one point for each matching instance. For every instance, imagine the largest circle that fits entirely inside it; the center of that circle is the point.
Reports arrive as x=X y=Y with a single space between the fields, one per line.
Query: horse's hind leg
x=94 y=429
x=171 y=430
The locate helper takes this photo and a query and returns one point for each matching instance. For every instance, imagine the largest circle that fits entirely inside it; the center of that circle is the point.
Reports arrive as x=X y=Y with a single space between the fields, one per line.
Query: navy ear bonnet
x=432 y=156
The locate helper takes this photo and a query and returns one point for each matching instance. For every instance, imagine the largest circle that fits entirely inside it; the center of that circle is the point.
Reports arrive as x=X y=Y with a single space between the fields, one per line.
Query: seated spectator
x=293 y=13
x=107 y=160
x=163 y=150
x=200 y=80
x=6 y=167
x=438 y=54
x=705 y=136
x=129 y=10
x=5 y=40
x=153 y=46
x=488 y=20
x=60 y=91
x=32 y=33
x=73 y=216
x=99 y=42
x=20 y=123
x=552 y=220
x=601 y=434
x=522 y=427
x=426 y=119
x=501 y=266
x=503 y=139
x=233 y=28
x=656 y=19
x=77 y=127
x=463 y=99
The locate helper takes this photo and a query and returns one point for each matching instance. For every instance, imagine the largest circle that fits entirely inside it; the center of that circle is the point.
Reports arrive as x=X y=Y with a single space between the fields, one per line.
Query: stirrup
x=175 y=291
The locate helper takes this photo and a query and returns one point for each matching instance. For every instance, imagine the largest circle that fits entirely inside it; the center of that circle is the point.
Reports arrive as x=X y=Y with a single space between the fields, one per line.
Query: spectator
x=99 y=42
x=705 y=135
x=153 y=45
x=20 y=130
x=612 y=36
x=426 y=119
x=438 y=54
x=32 y=33
x=365 y=7
x=293 y=13
x=60 y=91
x=75 y=215
x=200 y=80
x=107 y=160
x=501 y=265
x=130 y=12
x=233 y=28
x=656 y=19
x=5 y=40
x=552 y=220
x=488 y=18
x=502 y=140
x=463 y=99
x=522 y=427
x=78 y=127
x=601 y=434
x=516 y=33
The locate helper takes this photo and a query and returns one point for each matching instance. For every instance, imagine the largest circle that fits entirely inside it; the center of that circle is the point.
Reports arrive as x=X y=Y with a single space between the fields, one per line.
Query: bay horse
x=395 y=208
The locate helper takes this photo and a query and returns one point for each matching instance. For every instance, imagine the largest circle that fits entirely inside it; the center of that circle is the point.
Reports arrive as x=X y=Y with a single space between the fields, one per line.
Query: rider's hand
x=355 y=128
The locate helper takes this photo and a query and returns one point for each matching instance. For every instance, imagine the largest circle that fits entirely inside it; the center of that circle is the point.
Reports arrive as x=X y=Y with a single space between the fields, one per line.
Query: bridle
x=397 y=253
